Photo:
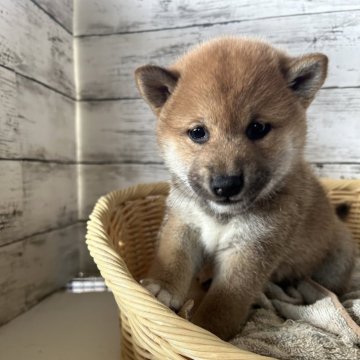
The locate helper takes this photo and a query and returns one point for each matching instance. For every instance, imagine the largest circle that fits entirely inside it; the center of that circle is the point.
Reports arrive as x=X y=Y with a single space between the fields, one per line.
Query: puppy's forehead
x=228 y=52
x=233 y=72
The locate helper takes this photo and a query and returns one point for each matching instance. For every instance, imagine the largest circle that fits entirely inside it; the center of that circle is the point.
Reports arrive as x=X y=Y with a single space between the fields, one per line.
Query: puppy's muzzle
x=226 y=186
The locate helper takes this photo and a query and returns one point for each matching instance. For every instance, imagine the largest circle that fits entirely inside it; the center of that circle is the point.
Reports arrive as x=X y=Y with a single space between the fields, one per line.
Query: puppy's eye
x=257 y=130
x=198 y=134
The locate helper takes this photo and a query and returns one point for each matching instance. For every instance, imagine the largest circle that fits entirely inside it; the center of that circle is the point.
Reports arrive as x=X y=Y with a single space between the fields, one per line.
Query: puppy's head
x=231 y=116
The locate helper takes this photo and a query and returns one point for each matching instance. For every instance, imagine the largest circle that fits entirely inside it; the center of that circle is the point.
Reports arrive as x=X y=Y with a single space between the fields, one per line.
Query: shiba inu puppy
x=231 y=129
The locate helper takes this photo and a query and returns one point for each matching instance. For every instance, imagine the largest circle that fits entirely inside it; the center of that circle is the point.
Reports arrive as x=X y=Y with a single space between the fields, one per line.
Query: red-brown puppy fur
x=280 y=226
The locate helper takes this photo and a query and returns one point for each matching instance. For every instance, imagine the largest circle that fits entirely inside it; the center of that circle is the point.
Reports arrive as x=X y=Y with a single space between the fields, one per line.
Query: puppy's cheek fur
x=280 y=167
x=256 y=180
x=175 y=161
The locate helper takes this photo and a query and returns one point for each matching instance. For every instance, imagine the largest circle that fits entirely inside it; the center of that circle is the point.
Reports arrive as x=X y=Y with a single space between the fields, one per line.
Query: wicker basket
x=121 y=238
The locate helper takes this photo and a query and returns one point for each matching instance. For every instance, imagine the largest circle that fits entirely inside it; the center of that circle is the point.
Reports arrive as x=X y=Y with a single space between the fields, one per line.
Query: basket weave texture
x=121 y=237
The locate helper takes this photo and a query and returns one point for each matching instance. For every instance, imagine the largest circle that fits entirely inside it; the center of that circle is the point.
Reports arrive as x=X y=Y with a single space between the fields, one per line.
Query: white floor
x=65 y=326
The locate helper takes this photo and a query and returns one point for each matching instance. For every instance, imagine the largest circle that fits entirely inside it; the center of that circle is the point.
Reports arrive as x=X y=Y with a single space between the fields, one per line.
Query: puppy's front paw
x=163 y=293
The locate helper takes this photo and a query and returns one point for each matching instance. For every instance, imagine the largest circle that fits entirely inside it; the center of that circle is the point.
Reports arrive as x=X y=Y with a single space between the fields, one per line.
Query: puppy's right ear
x=156 y=85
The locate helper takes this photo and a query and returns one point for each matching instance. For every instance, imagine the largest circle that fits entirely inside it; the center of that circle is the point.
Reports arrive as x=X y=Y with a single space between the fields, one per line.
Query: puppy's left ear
x=156 y=84
x=305 y=76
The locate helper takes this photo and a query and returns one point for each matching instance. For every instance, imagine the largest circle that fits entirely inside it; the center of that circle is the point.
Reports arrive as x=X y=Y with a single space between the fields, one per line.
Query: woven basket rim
x=194 y=341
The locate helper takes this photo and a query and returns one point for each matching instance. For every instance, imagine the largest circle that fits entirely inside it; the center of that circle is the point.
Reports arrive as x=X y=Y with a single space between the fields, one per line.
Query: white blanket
x=308 y=322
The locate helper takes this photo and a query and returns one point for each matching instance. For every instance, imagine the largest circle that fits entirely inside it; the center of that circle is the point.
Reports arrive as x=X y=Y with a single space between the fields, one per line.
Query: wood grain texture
x=35 y=267
x=38 y=123
x=117 y=131
x=338 y=171
x=113 y=16
x=37 y=197
x=37 y=46
x=334 y=131
x=87 y=267
x=47 y=122
x=124 y=130
x=97 y=180
x=9 y=122
x=11 y=197
x=61 y=10
x=108 y=62
x=9 y=11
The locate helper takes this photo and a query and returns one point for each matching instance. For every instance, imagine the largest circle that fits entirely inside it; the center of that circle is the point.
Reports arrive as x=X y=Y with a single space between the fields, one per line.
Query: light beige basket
x=121 y=237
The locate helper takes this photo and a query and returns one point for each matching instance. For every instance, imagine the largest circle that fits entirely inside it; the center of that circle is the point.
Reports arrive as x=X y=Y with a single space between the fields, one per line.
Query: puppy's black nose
x=226 y=186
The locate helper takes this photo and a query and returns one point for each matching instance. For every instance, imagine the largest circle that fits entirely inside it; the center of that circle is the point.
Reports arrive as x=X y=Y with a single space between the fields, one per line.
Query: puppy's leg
x=334 y=273
x=178 y=257
x=240 y=278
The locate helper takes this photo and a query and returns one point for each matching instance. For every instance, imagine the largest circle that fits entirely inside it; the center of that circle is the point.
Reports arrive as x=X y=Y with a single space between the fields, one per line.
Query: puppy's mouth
x=227 y=201
x=229 y=206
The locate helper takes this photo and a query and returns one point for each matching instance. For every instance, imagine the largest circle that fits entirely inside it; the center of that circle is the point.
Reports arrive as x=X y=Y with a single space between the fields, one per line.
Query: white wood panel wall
x=38 y=173
x=61 y=12
x=114 y=37
x=99 y=17
x=108 y=62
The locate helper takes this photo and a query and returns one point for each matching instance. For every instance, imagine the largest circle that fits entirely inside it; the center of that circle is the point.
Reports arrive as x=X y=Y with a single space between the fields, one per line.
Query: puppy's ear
x=305 y=76
x=155 y=84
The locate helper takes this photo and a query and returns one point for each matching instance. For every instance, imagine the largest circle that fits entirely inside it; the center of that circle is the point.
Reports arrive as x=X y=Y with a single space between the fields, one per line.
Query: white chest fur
x=215 y=235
